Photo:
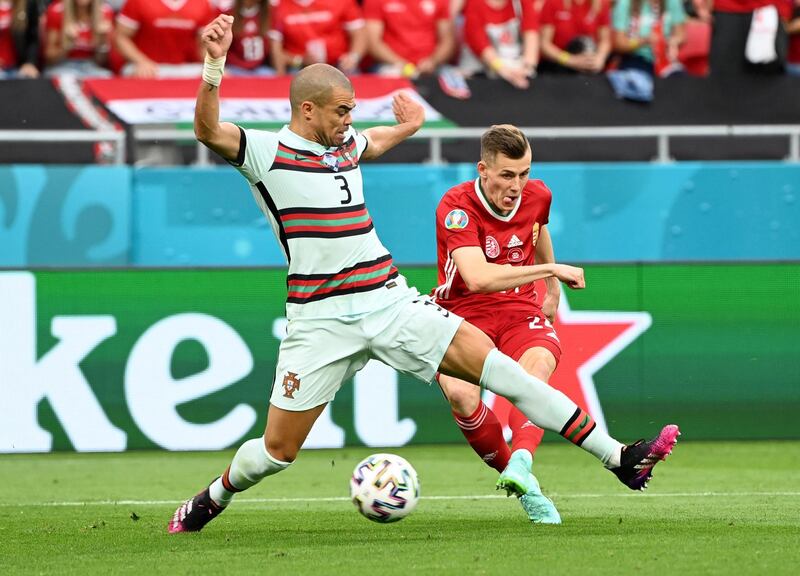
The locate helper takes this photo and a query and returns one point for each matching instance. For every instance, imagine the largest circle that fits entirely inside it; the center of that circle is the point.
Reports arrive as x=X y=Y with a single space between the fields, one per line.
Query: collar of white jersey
x=296 y=141
x=489 y=208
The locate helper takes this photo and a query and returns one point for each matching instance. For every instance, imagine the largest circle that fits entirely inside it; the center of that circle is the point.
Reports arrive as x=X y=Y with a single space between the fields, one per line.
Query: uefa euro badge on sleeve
x=331 y=161
x=456 y=220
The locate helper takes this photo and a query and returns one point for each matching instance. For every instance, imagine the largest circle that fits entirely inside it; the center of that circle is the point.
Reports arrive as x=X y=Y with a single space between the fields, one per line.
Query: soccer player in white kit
x=346 y=301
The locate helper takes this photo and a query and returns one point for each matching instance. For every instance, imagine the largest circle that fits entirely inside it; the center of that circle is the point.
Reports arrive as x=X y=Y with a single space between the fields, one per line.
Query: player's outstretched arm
x=222 y=137
x=484 y=277
x=545 y=255
x=409 y=114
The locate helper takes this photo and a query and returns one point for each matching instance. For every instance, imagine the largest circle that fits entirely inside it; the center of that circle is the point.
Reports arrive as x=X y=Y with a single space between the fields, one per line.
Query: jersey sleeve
x=130 y=15
x=361 y=141
x=372 y=10
x=604 y=17
x=457 y=224
x=352 y=17
x=257 y=149
x=547 y=199
x=474 y=28
x=529 y=18
x=548 y=14
x=620 y=15
x=442 y=10
x=53 y=18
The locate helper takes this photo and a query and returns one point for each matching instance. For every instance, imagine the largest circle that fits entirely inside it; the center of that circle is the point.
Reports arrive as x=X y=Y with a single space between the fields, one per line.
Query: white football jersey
x=313 y=198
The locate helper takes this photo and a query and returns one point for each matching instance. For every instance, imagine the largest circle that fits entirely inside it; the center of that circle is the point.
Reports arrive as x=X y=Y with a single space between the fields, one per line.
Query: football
x=384 y=488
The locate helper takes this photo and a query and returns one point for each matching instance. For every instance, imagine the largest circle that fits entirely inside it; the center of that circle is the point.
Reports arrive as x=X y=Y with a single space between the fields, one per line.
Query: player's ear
x=307 y=109
x=482 y=167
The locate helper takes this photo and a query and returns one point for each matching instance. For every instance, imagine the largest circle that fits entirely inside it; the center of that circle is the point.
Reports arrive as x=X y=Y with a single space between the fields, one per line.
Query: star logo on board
x=590 y=340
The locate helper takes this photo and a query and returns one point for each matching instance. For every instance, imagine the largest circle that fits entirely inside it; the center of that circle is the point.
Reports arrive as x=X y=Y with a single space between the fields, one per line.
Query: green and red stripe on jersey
x=362 y=277
x=343 y=159
x=578 y=427
x=325 y=222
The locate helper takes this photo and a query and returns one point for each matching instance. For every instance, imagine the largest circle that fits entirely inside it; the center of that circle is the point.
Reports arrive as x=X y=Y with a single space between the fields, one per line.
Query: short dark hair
x=316 y=83
x=506 y=139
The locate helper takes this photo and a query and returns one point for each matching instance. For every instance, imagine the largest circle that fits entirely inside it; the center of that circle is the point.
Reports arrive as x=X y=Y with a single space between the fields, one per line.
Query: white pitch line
x=345 y=499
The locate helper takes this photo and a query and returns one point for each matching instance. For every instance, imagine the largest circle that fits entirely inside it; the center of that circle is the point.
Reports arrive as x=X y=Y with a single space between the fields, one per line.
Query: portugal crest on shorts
x=456 y=220
x=492 y=247
x=291 y=384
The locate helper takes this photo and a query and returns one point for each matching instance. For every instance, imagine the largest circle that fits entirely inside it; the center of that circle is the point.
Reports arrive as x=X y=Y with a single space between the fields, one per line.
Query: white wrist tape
x=213 y=69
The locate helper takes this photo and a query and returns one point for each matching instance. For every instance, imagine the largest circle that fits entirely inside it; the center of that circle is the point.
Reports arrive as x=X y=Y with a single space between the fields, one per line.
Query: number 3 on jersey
x=537 y=325
x=345 y=187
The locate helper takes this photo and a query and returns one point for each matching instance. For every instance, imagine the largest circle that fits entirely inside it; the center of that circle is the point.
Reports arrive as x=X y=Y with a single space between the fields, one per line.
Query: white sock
x=547 y=407
x=250 y=465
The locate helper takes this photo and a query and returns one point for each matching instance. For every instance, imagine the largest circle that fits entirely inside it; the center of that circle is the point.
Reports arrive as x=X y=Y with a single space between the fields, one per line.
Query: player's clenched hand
x=572 y=276
x=407 y=110
x=550 y=306
x=218 y=35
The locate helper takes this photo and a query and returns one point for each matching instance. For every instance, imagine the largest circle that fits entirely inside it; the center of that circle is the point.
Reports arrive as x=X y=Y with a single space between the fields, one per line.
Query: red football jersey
x=465 y=218
x=8 y=55
x=249 y=48
x=83 y=47
x=570 y=19
x=409 y=26
x=316 y=27
x=167 y=31
x=485 y=25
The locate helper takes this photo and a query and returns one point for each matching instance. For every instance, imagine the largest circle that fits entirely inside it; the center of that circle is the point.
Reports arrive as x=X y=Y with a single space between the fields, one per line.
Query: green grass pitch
x=712 y=508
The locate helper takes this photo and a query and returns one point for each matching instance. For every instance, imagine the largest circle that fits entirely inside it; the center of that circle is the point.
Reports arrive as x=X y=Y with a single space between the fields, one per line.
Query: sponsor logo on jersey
x=535 y=236
x=492 y=247
x=291 y=384
x=514 y=242
x=516 y=255
x=456 y=220
x=331 y=161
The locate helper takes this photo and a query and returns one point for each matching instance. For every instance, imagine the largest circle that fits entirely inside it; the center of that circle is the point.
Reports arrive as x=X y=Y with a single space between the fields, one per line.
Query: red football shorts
x=515 y=332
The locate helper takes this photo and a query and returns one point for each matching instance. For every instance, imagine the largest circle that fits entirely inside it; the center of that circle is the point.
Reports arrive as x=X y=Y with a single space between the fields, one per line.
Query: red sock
x=484 y=433
x=524 y=434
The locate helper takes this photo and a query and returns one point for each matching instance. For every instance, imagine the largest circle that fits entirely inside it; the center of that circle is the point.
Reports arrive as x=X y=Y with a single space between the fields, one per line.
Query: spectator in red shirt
x=309 y=31
x=731 y=20
x=501 y=42
x=409 y=36
x=249 y=52
x=19 y=39
x=793 y=60
x=161 y=37
x=78 y=37
x=576 y=35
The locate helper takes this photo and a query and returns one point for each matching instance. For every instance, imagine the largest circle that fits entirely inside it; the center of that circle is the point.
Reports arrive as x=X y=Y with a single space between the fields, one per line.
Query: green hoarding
x=184 y=359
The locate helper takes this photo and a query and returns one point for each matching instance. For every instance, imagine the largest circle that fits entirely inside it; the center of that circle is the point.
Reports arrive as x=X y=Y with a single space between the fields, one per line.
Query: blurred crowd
x=512 y=40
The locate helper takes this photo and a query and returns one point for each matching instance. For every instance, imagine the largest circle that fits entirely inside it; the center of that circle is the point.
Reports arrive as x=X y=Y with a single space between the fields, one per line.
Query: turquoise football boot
x=514 y=479
x=539 y=508
x=517 y=479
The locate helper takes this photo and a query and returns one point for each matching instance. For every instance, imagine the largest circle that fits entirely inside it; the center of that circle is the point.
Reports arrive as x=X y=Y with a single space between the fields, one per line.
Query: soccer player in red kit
x=493 y=244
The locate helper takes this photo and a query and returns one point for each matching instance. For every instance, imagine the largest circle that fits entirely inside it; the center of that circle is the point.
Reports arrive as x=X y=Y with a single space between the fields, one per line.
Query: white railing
x=117 y=137
x=435 y=137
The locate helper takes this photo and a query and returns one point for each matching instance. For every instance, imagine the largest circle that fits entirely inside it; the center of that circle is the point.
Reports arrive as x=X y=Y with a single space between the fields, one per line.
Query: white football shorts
x=411 y=335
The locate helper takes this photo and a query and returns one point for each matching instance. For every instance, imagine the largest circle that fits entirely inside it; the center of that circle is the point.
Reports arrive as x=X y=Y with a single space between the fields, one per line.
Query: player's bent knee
x=539 y=362
x=464 y=399
x=282 y=452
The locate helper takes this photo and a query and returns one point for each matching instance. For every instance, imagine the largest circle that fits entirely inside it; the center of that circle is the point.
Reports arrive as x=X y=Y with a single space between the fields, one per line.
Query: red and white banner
x=262 y=102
